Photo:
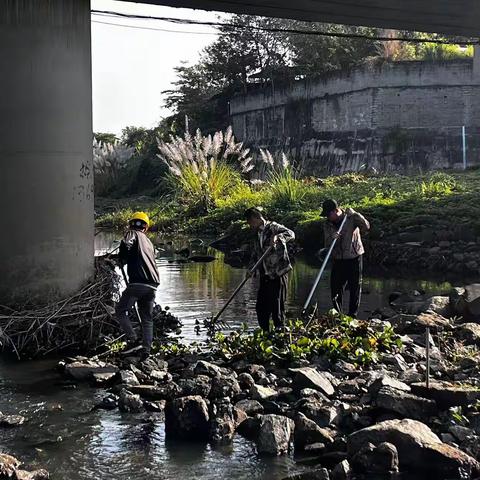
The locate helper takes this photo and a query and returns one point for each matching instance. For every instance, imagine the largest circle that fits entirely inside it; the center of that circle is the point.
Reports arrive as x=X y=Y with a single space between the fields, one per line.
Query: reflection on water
x=64 y=436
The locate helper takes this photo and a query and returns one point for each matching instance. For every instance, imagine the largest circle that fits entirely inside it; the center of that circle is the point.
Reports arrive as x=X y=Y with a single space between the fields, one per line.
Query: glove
x=322 y=253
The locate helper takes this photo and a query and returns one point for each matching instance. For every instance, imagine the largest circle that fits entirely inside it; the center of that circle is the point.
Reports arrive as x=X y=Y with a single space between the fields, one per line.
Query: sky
x=132 y=66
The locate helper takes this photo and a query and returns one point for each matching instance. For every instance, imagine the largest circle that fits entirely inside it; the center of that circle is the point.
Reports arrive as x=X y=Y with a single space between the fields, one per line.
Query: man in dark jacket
x=272 y=293
x=138 y=253
x=347 y=254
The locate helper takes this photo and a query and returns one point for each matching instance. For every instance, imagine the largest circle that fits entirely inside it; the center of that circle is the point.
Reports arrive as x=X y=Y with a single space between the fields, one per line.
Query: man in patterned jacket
x=272 y=292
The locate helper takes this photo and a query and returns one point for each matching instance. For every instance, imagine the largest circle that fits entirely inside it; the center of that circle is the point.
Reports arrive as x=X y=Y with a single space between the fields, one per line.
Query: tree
x=105 y=137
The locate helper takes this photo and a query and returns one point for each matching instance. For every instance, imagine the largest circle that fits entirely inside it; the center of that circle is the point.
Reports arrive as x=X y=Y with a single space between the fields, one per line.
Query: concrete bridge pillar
x=46 y=172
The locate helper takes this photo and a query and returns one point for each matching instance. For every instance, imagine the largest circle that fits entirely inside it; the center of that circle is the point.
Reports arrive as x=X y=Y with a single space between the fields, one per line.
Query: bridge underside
x=461 y=17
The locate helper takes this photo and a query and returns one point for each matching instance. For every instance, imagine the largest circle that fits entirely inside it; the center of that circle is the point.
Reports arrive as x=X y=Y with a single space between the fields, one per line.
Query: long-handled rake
x=215 y=318
x=322 y=269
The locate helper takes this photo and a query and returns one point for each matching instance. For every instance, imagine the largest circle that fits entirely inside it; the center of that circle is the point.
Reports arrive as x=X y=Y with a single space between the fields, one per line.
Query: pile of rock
x=10 y=469
x=349 y=422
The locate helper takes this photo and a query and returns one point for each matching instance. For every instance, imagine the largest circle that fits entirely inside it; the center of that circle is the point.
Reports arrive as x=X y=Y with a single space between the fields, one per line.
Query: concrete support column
x=46 y=171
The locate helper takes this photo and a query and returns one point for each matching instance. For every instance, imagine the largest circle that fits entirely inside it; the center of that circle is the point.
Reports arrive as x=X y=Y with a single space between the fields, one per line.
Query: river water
x=62 y=435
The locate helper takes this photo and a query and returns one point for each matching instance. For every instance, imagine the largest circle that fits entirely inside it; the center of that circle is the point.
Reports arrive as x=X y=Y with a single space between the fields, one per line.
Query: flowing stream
x=62 y=435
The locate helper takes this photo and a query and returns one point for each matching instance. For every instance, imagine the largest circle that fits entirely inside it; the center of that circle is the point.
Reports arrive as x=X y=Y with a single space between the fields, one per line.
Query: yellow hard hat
x=140 y=216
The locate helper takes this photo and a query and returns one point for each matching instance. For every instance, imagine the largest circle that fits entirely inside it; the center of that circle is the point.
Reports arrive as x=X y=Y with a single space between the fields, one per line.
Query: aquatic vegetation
x=333 y=335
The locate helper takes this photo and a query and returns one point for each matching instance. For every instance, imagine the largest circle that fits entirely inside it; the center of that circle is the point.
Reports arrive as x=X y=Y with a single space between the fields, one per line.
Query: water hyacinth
x=203 y=169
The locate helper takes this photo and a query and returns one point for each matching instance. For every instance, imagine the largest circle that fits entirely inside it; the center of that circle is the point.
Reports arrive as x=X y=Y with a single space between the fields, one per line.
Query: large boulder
x=224 y=386
x=323 y=415
x=130 y=402
x=405 y=404
x=447 y=394
x=187 y=418
x=465 y=301
x=469 y=333
x=257 y=392
x=308 y=432
x=85 y=370
x=275 y=434
x=419 y=449
x=376 y=460
x=210 y=369
x=250 y=407
x=308 y=377
x=199 y=385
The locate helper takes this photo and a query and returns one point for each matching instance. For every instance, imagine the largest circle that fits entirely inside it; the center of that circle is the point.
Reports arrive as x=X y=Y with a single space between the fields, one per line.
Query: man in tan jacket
x=347 y=255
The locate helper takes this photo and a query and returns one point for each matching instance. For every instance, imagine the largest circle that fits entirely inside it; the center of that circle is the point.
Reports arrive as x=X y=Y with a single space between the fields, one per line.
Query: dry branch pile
x=79 y=322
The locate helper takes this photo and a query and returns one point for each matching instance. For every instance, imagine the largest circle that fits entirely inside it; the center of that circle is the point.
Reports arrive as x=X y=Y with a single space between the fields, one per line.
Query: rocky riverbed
x=338 y=418
x=341 y=420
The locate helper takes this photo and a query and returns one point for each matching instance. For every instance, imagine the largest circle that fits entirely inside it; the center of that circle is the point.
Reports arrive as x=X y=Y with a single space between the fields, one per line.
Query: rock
x=405 y=404
x=153 y=363
x=128 y=378
x=206 y=368
x=313 y=394
x=104 y=379
x=85 y=370
x=110 y=402
x=223 y=422
x=319 y=474
x=322 y=415
x=387 y=381
x=308 y=432
x=250 y=407
x=466 y=302
x=156 y=407
x=461 y=433
x=257 y=392
x=447 y=394
x=419 y=449
x=308 y=377
x=9 y=421
x=396 y=361
x=275 y=434
x=201 y=385
x=152 y=392
x=187 y=418
x=8 y=465
x=438 y=304
x=376 y=460
x=246 y=381
x=342 y=471
x=35 y=475
x=249 y=428
x=256 y=371
x=469 y=333
x=224 y=386
x=129 y=402
x=160 y=376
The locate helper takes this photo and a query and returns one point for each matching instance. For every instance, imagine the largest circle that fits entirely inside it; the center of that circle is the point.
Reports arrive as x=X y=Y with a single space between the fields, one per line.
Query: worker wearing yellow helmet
x=138 y=253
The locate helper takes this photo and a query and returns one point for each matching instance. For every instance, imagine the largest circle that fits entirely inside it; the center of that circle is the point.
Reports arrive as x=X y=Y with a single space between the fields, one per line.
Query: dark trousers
x=144 y=297
x=271 y=298
x=347 y=273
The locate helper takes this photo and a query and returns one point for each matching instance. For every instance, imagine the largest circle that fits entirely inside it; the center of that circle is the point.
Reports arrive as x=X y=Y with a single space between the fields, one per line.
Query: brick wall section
x=349 y=120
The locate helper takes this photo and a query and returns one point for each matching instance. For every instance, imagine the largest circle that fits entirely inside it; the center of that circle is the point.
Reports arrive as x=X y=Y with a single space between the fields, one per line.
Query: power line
x=151 y=28
x=185 y=21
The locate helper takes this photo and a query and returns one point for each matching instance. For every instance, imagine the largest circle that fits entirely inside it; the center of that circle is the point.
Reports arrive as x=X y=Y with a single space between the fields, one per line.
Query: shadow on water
x=64 y=436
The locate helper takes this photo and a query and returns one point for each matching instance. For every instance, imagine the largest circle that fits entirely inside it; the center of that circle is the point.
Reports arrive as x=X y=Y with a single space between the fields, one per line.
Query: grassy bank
x=396 y=206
